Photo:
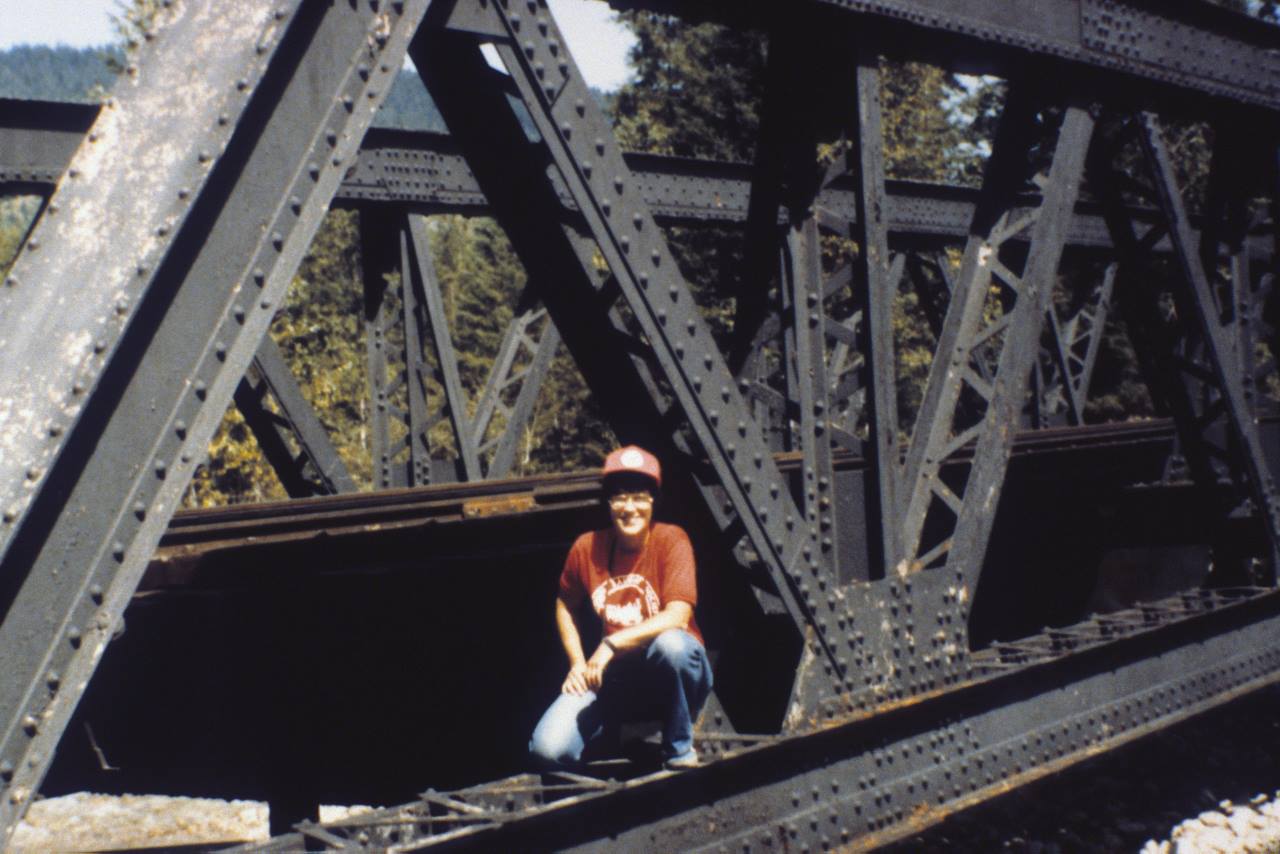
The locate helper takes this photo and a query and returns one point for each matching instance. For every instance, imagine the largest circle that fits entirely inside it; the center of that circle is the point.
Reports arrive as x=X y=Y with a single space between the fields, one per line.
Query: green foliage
x=16 y=215
x=39 y=72
x=320 y=333
x=481 y=280
x=922 y=140
x=696 y=91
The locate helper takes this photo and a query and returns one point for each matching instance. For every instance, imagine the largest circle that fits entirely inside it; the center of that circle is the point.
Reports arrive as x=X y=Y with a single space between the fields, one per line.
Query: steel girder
x=315 y=468
x=602 y=265
x=877 y=280
x=418 y=313
x=1061 y=377
x=37 y=141
x=1194 y=355
x=427 y=173
x=396 y=244
x=1031 y=709
x=1061 y=382
x=829 y=370
x=694 y=390
x=225 y=177
x=1109 y=48
x=950 y=521
x=511 y=371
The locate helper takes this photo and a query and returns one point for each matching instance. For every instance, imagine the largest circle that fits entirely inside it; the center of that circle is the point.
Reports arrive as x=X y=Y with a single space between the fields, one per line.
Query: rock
x=1218 y=838
x=1241 y=821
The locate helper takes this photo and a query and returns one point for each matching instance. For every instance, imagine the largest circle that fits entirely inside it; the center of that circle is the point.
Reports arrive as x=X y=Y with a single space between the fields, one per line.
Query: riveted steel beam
x=396 y=246
x=877 y=288
x=806 y=373
x=139 y=327
x=315 y=468
x=38 y=140
x=413 y=378
x=426 y=287
x=1113 y=48
x=944 y=521
x=507 y=372
x=1034 y=708
x=1021 y=347
x=576 y=140
x=1061 y=382
x=427 y=173
x=1191 y=356
x=380 y=259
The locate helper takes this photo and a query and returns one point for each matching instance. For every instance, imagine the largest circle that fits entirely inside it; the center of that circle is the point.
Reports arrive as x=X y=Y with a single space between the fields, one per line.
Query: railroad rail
x=992 y=756
x=858 y=781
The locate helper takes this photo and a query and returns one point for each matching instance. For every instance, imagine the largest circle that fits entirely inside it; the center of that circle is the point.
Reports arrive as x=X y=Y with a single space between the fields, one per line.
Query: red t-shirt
x=639 y=585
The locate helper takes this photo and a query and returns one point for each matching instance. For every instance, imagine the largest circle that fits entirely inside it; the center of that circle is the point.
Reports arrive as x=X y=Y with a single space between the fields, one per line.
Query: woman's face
x=632 y=513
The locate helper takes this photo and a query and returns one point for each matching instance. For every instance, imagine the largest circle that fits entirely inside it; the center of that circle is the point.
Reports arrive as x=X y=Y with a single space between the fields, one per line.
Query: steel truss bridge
x=904 y=628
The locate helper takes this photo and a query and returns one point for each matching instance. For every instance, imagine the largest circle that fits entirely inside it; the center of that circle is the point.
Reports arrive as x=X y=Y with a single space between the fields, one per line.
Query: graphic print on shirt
x=625 y=601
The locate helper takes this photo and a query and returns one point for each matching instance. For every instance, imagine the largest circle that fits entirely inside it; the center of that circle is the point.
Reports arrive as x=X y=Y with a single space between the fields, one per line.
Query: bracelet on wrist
x=610 y=644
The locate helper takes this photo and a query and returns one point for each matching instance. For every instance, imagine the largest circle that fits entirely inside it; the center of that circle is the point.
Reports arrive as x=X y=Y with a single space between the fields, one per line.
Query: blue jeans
x=670 y=681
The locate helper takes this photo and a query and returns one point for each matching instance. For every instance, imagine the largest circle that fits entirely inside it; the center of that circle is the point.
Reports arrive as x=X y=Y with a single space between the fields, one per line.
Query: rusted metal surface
x=868 y=779
x=887 y=697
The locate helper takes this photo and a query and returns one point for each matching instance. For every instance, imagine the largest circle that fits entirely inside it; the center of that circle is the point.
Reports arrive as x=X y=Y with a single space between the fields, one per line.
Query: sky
x=598 y=42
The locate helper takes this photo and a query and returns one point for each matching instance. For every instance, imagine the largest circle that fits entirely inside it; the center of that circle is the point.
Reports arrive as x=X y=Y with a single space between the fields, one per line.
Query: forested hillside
x=39 y=72
x=697 y=91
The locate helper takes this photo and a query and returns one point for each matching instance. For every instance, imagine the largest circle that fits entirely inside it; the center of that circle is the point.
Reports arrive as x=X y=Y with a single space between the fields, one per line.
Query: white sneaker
x=684 y=761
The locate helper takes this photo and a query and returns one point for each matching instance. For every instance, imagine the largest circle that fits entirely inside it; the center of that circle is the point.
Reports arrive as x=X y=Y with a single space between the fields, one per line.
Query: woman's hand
x=596 y=664
x=576 y=682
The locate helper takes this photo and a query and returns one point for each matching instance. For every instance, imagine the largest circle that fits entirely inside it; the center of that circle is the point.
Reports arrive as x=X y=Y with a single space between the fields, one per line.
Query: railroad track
x=870 y=778
x=194 y=532
x=870 y=767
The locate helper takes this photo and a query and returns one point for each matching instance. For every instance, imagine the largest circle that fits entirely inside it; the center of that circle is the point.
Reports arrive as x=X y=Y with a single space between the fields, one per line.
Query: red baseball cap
x=632 y=459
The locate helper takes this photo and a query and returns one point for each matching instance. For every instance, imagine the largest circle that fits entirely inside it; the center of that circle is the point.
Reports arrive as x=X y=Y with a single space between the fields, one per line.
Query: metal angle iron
x=151 y=354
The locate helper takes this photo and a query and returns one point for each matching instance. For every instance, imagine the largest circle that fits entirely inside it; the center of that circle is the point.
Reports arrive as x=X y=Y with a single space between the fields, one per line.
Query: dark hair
x=629 y=481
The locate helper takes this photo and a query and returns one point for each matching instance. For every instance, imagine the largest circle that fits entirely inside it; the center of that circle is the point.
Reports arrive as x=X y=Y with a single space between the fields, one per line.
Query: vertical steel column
x=807 y=377
x=418 y=422
x=379 y=254
x=761 y=245
x=877 y=288
x=792 y=148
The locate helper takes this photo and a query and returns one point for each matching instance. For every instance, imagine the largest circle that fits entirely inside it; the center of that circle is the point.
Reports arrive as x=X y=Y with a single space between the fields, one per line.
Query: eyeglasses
x=639 y=499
